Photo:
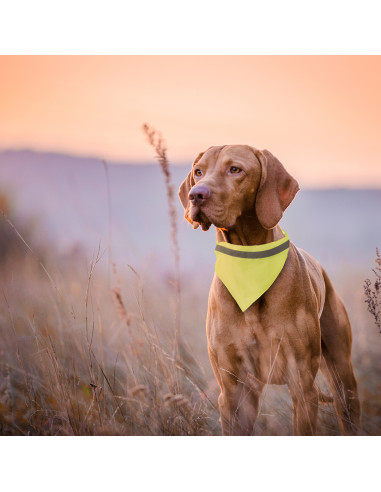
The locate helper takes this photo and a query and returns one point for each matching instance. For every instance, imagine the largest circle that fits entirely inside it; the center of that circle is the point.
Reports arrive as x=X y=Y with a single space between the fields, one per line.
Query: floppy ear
x=184 y=190
x=276 y=190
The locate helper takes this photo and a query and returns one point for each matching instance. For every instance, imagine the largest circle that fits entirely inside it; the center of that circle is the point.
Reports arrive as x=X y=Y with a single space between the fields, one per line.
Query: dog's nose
x=198 y=194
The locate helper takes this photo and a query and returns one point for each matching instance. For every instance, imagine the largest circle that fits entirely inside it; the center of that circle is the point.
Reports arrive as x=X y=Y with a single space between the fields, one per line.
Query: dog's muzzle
x=199 y=194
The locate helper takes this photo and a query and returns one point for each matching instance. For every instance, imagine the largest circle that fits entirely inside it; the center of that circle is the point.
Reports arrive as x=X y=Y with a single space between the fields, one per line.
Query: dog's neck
x=247 y=231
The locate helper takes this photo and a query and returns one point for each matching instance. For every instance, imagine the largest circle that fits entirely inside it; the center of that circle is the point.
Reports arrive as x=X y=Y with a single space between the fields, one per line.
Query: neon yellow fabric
x=248 y=278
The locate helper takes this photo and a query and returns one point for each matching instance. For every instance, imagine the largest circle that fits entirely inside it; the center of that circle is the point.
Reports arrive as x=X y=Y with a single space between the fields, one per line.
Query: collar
x=249 y=271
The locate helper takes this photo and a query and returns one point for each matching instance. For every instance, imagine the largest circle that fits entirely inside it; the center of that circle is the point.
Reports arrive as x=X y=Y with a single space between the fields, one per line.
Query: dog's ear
x=276 y=190
x=184 y=190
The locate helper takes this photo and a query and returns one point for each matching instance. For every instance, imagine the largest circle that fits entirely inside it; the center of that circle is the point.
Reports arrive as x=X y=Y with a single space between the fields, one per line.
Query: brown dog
x=280 y=338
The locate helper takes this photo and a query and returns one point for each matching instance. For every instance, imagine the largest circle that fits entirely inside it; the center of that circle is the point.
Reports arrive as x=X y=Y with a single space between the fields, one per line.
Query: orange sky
x=321 y=116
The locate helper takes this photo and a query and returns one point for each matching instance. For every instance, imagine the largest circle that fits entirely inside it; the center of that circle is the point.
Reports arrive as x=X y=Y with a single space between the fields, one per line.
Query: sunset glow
x=320 y=115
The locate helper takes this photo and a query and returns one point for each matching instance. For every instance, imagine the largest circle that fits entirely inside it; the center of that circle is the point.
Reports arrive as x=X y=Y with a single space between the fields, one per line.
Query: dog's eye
x=235 y=170
x=197 y=172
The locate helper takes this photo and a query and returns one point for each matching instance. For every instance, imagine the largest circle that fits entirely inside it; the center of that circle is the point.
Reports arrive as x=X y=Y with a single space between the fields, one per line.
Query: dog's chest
x=245 y=347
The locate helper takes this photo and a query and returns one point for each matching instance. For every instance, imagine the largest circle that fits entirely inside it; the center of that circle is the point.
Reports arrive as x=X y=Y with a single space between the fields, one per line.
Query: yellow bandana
x=248 y=271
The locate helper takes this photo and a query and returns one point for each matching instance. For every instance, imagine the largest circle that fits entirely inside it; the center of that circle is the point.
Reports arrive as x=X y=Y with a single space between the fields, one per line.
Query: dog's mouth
x=198 y=216
x=205 y=218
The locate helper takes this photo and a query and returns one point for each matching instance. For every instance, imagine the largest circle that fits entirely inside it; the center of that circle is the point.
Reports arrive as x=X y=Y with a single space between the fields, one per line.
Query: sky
x=320 y=115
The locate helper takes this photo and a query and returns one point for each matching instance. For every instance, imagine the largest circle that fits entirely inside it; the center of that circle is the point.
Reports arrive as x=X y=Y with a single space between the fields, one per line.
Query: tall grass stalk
x=155 y=139
x=109 y=212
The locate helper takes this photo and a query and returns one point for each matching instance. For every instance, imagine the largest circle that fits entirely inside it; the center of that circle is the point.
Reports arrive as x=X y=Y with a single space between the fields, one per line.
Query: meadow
x=90 y=345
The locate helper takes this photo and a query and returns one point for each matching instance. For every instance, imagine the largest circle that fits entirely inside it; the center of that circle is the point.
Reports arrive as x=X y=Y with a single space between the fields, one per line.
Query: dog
x=296 y=327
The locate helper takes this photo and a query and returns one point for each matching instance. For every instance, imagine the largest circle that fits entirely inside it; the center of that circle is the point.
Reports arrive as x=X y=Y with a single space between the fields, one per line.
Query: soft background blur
x=103 y=343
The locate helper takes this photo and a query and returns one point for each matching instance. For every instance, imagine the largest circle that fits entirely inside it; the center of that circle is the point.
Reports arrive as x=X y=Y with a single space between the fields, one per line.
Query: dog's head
x=234 y=180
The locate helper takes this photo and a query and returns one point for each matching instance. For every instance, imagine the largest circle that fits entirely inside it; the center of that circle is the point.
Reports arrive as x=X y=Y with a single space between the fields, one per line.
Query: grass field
x=88 y=348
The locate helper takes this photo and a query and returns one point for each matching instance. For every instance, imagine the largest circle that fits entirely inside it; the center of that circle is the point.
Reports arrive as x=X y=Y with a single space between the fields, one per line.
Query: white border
x=197 y=27
x=188 y=463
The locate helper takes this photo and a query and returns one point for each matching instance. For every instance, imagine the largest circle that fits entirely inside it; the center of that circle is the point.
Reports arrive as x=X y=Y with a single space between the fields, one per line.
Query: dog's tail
x=323 y=397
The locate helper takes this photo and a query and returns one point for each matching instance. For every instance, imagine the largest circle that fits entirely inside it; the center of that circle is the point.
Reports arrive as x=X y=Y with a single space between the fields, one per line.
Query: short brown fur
x=279 y=339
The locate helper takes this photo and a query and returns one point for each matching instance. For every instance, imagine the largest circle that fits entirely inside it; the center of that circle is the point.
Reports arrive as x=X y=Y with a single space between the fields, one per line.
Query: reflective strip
x=253 y=254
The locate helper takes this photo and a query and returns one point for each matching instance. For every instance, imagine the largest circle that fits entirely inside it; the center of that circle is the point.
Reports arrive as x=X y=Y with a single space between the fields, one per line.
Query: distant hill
x=68 y=195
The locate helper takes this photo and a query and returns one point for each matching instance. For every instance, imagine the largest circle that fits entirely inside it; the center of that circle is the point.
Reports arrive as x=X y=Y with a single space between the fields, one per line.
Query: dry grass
x=80 y=357
x=93 y=362
x=372 y=292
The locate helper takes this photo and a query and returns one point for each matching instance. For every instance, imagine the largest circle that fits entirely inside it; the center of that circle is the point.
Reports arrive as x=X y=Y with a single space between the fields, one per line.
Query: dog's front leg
x=239 y=398
x=238 y=404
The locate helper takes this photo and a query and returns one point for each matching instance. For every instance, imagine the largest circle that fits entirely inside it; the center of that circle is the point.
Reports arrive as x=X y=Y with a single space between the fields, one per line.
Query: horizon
x=153 y=162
